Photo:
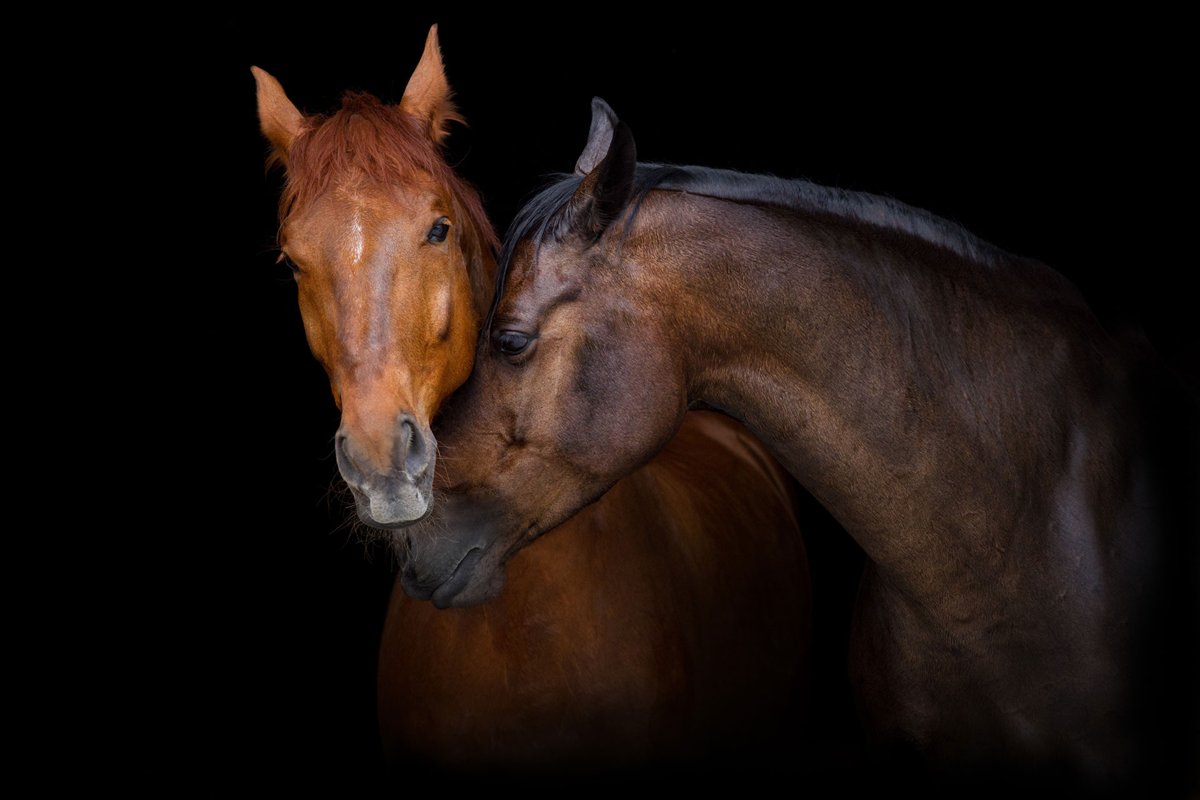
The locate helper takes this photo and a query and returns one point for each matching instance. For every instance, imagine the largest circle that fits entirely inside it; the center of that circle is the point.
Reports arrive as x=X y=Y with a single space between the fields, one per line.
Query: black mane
x=542 y=213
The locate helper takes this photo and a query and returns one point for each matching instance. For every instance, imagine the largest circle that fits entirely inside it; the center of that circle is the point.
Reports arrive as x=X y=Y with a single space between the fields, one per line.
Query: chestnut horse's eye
x=511 y=343
x=290 y=264
x=437 y=234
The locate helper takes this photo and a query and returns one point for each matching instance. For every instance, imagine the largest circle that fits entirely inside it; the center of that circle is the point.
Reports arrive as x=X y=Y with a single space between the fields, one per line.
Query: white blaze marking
x=356 y=237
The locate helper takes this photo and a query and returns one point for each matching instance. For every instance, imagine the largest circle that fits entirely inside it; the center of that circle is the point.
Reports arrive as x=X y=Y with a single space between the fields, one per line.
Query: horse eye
x=290 y=264
x=512 y=343
x=437 y=234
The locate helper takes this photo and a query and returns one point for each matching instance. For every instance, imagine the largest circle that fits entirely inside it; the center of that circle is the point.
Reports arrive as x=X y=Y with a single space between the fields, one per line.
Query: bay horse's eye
x=437 y=234
x=511 y=343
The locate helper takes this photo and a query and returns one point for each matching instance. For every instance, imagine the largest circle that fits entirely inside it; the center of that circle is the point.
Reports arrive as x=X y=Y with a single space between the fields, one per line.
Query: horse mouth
x=396 y=526
x=363 y=507
x=477 y=572
x=450 y=591
x=460 y=579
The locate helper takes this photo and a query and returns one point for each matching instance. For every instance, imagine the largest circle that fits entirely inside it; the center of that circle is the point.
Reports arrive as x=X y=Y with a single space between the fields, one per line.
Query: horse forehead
x=352 y=222
x=546 y=268
x=381 y=211
x=525 y=293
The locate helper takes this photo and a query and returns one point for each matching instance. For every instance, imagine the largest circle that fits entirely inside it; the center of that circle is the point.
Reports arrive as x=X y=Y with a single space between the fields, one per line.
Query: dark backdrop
x=256 y=631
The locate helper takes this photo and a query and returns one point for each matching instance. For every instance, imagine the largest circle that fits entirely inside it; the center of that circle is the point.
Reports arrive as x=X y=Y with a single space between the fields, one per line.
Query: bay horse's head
x=578 y=379
x=385 y=243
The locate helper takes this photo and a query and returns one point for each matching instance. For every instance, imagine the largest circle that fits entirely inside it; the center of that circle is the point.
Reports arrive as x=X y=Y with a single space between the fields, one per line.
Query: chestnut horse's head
x=390 y=251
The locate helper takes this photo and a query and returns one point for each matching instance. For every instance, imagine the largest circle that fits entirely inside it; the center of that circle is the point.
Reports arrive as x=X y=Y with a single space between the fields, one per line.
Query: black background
x=255 y=628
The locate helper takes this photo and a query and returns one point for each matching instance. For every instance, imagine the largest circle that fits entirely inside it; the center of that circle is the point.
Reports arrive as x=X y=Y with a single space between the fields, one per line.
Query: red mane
x=380 y=141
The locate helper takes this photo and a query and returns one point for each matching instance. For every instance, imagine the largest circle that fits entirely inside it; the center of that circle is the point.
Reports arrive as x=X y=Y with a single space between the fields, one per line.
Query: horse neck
x=913 y=392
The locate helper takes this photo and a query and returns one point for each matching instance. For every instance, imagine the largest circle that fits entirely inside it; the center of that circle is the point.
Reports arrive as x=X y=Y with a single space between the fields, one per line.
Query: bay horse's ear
x=427 y=95
x=279 y=119
x=608 y=164
x=604 y=119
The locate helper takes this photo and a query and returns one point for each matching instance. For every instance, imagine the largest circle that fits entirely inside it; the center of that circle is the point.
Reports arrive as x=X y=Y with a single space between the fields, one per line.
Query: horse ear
x=427 y=95
x=604 y=119
x=608 y=164
x=280 y=120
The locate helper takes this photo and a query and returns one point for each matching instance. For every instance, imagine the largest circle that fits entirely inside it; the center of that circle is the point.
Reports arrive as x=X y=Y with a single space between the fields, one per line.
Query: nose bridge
x=391 y=368
x=374 y=381
x=388 y=362
x=373 y=412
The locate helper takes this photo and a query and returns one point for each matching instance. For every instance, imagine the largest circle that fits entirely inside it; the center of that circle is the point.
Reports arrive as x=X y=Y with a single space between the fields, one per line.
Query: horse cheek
x=613 y=425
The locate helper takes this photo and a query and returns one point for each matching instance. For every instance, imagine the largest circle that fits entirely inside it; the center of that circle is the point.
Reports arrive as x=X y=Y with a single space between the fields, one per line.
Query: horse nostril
x=341 y=451
x=411 y=444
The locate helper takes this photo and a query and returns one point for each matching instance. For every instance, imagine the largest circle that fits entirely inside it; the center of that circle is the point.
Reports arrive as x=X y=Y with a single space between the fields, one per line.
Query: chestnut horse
x=1005 y=464
x=668 y=620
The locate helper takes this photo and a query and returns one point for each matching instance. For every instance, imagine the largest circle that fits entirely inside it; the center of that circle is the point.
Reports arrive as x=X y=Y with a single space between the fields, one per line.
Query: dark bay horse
x=1004 y=462
x=668 y=620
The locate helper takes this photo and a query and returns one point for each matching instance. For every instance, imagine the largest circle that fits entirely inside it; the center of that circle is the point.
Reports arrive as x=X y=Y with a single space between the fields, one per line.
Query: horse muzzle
x=395 y=494
x=455 y=558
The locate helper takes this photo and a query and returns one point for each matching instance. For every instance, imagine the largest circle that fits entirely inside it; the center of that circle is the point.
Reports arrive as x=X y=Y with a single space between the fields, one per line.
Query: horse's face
x=375 y=235
x=387 y=309
x=571 y=392
x=575 y=385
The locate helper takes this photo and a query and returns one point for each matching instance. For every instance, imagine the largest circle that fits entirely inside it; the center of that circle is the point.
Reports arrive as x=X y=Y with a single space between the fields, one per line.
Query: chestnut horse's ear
x=608 y=164
x=280 y=120
x=427 y=95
